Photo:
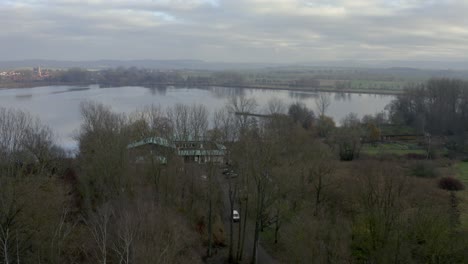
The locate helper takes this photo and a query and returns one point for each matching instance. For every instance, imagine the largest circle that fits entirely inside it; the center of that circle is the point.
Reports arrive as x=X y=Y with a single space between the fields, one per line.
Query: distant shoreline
x=257 y=87
x=16 y=85
x=315 y=89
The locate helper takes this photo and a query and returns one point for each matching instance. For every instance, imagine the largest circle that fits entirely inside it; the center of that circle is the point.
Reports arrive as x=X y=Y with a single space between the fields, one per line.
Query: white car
x=235 y=216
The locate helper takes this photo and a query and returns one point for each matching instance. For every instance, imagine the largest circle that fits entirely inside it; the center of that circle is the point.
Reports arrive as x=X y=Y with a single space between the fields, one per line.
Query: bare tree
x=322 y=103
x=5 y=240
x=348 y=137
x=211 y=174
x=13 y=127
x=299 y=113
x=24 y=139
x=243 y=198
x=103 y=154
x=320 y=172
x=10 y=210
x=61 y=233
x=98 y=224
x=241 y=106
x=381 y=192
x=275 y=106
x=127 y=230
x=180 y=116
x=224 y=124
x=39 y=144
x=151 y=121
x=260 y=156
x=198 y=121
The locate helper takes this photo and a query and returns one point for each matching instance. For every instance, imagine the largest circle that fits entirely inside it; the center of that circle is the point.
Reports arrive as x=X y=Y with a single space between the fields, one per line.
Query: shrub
x=451 y=184
x=416 y=156
x=423 y=169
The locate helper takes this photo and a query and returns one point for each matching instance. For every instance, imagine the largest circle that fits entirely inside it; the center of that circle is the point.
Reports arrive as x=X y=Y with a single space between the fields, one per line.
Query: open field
x=462 y=173
x=399 y=149
x=378 y=85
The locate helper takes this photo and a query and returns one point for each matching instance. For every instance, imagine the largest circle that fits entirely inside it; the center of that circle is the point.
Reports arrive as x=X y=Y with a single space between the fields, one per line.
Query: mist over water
x=58 y=106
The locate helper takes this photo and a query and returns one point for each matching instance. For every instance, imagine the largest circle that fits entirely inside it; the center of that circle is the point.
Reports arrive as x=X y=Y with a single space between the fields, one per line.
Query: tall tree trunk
x=210 y=231
x=258 y=217
x=232 y=194
x=210 y=210
x=192 y=190
x=239 y=232
x=17 y=249
x=128 y=254
x=318 y=193
x=277 y=226
x=5 y=239
x=255 y=246
x=156 y=171
x=244 y=229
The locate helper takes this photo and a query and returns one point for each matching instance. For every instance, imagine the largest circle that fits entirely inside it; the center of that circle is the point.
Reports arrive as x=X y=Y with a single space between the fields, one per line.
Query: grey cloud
x=234 y=30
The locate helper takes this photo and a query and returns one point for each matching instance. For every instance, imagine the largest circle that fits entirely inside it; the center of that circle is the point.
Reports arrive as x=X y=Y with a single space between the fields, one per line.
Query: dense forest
x=439 y=107
x=307 y=190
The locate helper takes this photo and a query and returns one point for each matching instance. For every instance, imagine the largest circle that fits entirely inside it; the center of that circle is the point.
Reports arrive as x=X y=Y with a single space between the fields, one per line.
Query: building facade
x=191 y=151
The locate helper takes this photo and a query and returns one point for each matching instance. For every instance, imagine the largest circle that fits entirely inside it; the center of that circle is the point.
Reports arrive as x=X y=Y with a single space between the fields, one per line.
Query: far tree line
x=152 y=78
x=438 y=107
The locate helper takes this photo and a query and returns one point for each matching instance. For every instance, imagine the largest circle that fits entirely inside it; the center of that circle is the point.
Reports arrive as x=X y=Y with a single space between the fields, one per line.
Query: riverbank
x=316 y=89
x=330 y=89
x=16 y=85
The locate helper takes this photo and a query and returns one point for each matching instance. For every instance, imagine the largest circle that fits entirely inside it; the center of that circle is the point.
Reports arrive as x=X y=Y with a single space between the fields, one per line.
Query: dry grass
x=462 y=174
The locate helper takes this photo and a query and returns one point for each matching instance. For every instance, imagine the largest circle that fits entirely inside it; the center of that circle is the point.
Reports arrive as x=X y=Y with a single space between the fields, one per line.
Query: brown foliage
x=450 y=184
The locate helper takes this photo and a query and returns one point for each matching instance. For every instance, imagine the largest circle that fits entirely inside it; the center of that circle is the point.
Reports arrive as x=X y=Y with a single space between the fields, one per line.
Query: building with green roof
x=191 y=151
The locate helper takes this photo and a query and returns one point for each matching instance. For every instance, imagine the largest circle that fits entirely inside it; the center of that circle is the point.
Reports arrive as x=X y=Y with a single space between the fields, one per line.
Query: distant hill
x=204 y=65
x=433 y=65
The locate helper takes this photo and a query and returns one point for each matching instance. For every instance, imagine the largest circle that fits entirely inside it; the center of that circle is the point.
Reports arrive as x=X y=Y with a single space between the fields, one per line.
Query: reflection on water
x=225 y=92
x=158 y=90
x=302 y=95
x=59 y=105
x=72 y=89
x=23 y=96
x=342 y=96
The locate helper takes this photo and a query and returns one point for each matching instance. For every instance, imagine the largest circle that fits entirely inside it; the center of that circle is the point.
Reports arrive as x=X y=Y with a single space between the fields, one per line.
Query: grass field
x=462 y=174
x=462 y=170
x=399 y=149
x=377 y=85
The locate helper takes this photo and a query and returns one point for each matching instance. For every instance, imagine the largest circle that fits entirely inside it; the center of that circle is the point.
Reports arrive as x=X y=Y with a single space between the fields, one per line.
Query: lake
x=58 y=106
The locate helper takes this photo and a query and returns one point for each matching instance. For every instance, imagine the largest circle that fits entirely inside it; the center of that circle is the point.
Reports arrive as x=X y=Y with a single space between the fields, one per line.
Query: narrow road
x=262 y=256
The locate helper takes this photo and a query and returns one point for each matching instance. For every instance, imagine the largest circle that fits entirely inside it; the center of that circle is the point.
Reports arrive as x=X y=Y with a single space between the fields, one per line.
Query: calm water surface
x=58 y=106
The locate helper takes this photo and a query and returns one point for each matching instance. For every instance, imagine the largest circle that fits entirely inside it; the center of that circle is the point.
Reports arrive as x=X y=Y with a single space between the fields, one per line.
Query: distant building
x=152 y=149
x=201 y=151
x=191 y=151
x=37 y=71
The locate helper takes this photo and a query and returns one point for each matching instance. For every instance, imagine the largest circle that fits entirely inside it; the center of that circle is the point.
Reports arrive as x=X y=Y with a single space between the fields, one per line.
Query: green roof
x=152 y=140
x=220 y=146
x=220 y=151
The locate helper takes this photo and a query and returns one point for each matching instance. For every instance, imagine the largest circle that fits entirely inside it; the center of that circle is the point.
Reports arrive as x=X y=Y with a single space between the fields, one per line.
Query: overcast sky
x=234 y=30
